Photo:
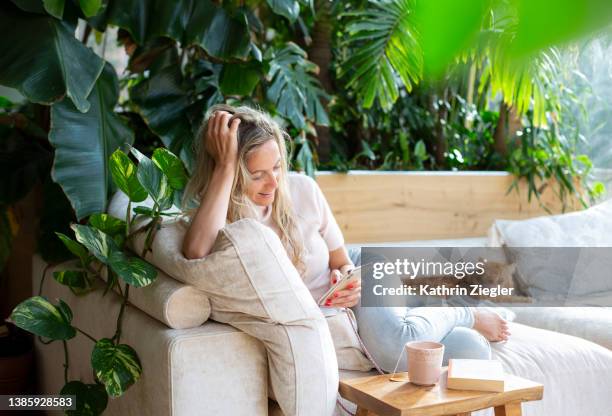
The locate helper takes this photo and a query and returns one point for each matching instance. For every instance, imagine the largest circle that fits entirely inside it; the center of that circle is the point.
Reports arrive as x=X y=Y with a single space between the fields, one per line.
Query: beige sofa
x=208 y=368
x=214 y=369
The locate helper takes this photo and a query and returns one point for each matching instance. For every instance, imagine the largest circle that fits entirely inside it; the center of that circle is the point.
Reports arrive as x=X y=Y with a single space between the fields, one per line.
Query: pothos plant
x=101 y=249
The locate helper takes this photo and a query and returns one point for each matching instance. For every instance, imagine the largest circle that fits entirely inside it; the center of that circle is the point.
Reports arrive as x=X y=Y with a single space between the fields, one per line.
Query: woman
x=241 y=172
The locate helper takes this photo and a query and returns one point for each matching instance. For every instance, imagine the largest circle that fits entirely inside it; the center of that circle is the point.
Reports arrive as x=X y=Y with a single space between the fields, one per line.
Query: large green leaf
x=123 y=171
x=287 y=8
x=54 y=7
x=217 y=32
x=97 y=242
x=201 y=22
x=84 y=143
x=40 y=317
x=239 y=79
x=382 y=42
x=91 y=399
x=117 y=366
x=146 y=19
x=40 y=57
x=171 y=166
x=441 y=43
x=133 y=270
x=294 y=89
x=154 y=181
x=90 y=7
x=163 y=101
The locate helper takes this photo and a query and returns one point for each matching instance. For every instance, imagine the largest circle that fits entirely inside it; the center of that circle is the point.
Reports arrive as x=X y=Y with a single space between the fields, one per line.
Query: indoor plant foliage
x=100 y=248
x=184 y=56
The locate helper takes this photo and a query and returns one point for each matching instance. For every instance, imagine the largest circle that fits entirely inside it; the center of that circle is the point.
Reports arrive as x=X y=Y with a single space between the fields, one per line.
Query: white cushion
x=546 y=265
x=588 y=228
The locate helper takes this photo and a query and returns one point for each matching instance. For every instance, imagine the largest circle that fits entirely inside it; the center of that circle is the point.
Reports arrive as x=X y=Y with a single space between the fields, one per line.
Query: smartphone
x=345 y=280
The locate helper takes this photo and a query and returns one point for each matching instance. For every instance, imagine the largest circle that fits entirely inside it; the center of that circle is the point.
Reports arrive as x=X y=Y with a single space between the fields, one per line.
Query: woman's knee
x=465 y=343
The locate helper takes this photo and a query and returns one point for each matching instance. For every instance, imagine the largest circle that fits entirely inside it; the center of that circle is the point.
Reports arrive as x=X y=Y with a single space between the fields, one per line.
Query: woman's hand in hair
x=222 y=139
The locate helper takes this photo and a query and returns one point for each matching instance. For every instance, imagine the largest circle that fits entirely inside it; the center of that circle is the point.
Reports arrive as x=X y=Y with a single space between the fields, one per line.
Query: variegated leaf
x=40 y=317
x=107 y=224
x=153 y=180
x=171 y=166
x=117 y=366
x=74 y=247
x=123 y=171
x=76 y=280
x=97 y=242
x=133 y=270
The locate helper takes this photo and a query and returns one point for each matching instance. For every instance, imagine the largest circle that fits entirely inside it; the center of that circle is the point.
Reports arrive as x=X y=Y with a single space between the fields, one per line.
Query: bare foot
x=492 y=326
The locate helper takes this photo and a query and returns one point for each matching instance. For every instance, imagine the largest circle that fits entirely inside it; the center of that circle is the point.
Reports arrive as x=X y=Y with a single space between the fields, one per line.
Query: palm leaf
x=382 y=46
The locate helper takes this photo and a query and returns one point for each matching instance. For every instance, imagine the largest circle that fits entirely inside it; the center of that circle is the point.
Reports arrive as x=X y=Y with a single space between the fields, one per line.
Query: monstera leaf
x=294 y=89
x=40 y=317
x=40 y=57
x=84 y=143
x=91 y=399
x=117 y=366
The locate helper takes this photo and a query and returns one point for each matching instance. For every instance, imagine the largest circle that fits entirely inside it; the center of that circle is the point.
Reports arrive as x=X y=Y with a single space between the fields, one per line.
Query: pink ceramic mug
x=424 y=362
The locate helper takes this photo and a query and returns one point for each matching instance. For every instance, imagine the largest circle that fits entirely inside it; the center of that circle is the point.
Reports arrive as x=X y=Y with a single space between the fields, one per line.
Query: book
x=353 y=276
x=482 y=375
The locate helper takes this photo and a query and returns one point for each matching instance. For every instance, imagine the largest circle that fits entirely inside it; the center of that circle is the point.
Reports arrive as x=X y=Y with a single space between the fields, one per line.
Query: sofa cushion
x=550 y=263
x=576 y=229
x=348 y=349
x=169 y=301
x=253 y=286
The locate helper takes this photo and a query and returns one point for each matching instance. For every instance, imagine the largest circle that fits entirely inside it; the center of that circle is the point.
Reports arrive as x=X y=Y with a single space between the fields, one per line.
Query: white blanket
x=576 y=373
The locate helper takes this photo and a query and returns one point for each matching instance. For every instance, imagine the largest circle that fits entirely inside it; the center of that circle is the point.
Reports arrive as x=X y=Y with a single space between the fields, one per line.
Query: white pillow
x=588 y=228
x=546 y=265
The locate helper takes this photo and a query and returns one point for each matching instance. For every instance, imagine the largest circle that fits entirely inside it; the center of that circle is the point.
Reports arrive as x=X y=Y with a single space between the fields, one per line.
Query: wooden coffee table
x=377 y=395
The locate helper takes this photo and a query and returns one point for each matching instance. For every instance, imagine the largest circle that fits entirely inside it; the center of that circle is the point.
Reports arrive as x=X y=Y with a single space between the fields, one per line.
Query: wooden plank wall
x=400 y=206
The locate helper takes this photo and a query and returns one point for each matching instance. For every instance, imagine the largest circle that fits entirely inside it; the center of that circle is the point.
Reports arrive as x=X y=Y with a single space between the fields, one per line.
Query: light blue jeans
x=385 y=330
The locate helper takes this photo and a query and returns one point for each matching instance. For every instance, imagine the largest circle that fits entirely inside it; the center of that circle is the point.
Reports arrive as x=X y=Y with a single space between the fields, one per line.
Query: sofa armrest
x=210 y=369
x=174 y=303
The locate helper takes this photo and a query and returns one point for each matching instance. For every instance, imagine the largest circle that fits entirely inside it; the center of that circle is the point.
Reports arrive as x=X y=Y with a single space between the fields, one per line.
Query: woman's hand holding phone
x=347 y=297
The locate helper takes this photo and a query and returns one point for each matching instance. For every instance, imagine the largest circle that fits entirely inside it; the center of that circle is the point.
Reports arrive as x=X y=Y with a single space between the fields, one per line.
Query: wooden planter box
x=379 y=206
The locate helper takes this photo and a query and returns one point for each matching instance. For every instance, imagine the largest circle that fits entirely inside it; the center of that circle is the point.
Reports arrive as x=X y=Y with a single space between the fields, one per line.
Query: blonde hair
x=256 y=128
